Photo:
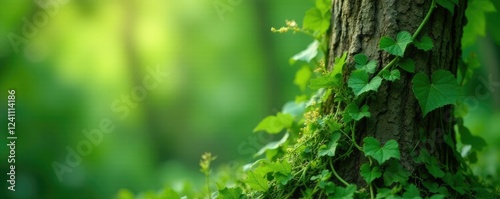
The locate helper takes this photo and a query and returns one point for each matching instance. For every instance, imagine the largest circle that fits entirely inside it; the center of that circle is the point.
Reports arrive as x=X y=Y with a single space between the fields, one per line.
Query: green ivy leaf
x=431 y=163
x=395 y=173
x=274 y=124
x=344 y=193
x=308 y=54
x=434 y=187
x=357 y=114
x=230 y=193
x=346 y=117
x=326 y=81
x=325 y=174
x=448 y=4
x=424 y=44
x=412 y=192
x=315 y=20
x=329 y=187
x=307 y=193
x=456 y=182
x=324 y=5
x=302 y=77
x=437 y=196
x=392 y=75
x=272 y=145
x=363 y=63
x=433 y=168
x=397 y=47
x=383 y=193
x=282 y=166
x=282 y=178
x=370 y=174
x=373 y=148
x=332 y=124
x=359 y=82
x=407 y=64
x=282 y=171
x=338 y=65
x=332 y=79
x=441 y=90
x=256 y=179
x=332 y=146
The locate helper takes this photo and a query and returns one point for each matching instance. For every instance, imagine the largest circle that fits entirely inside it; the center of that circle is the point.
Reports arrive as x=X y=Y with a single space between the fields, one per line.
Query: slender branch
x=371 y=192
x=306 y=33
x=392 y=63
x=337 y=175
x=354 y=139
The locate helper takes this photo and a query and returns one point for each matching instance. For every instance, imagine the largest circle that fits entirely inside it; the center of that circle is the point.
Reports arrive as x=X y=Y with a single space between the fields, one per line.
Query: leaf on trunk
x=412 y=192
x=374 y=149
x=357 y=114
x=424 y=44
x=370 y=174
x=332 y=146
x=398 y=46
x=407 y=65
x=391 y=75
x=395 y=173
x=442 y=89
x=256 y=179
x=363 y=63
x=344 y=193
x=360 y=82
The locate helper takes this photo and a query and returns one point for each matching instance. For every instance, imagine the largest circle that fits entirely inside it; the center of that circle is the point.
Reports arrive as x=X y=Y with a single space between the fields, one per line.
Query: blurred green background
x=226 y=71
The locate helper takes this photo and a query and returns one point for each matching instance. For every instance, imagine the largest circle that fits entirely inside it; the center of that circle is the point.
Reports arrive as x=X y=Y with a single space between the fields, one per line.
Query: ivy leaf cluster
x=374 y=149
x=440 y=90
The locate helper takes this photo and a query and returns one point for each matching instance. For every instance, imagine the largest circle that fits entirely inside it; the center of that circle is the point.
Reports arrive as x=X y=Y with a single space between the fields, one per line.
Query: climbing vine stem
x=426 y=19
x=337 y=175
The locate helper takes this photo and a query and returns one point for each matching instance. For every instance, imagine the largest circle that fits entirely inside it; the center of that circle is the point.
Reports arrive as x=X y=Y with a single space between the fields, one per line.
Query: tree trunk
x=357 y=27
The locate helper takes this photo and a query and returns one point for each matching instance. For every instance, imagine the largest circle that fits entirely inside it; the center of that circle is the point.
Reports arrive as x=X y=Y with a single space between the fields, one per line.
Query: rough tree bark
x=357 y=27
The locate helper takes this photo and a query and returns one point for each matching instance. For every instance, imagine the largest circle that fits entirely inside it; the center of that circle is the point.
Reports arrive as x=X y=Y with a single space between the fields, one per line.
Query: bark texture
x=357 y=27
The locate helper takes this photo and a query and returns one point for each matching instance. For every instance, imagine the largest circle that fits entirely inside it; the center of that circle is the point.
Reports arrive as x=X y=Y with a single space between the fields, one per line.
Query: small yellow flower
x=291 y=23
x=322 y=63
